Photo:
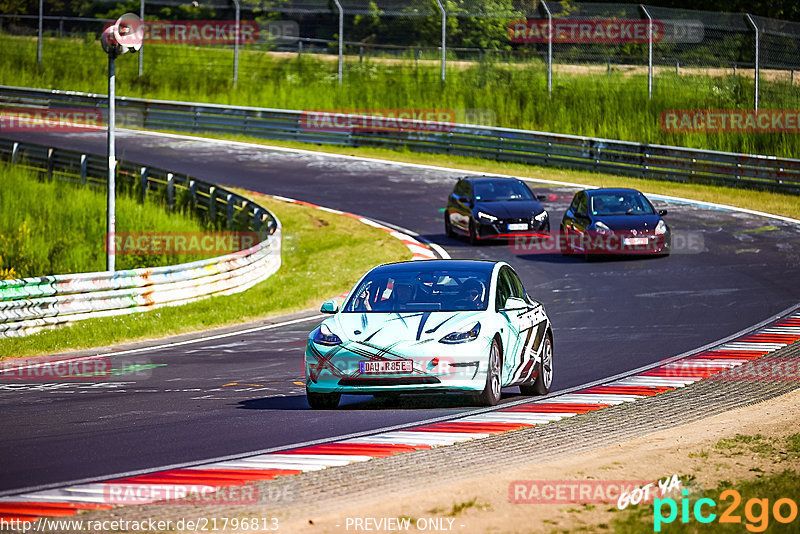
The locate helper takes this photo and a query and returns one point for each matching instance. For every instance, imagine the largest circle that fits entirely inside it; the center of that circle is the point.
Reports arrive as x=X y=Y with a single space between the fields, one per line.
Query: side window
x=516 y=285
x=503 y=289
x=462 y=188
x=581 y=204
x=467 y=190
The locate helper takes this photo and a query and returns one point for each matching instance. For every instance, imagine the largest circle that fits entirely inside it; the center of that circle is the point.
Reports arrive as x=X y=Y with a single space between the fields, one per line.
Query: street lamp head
x=124 y=35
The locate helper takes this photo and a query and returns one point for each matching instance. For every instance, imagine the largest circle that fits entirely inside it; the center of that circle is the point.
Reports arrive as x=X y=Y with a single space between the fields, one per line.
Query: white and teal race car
x=424 y=326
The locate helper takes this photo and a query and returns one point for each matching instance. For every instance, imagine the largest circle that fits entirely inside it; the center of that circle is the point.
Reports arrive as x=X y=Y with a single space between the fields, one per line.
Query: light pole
x=125 y=35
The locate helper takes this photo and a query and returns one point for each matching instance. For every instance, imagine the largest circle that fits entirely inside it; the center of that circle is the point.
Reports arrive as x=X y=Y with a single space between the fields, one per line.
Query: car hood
x=629 y=222
x=512 y=209
x=382 y=329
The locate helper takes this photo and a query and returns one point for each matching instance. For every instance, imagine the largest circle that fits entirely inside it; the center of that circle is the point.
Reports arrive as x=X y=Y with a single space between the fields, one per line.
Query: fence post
x=61 y=27
x=192 y=193
x=549 y=50
x=444 y=38
x=299 y=49
x=170 y=190
x=83 y=169
x=14 y=153
x=39 y=39
x=755 y=27
x=649 y=52
x=341 y=37
x=236 y=45
x=141 y=51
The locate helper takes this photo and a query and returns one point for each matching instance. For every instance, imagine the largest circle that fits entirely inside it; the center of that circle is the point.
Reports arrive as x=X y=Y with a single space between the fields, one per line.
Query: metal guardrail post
x=212 y=204
x=549 y=49
x=14 y=153
x=444 y=38
x=170 y=190
x=143 y=184
x=257 y=219
x=83 y=169
x=341 y=38
x=649 y=52
x=192 y=193
x=50 y=164
x=229 y=205
x=757 y=67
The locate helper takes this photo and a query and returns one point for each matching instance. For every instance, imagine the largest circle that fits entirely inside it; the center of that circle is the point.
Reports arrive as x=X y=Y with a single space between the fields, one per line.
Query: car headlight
x=323 y=336
x=661 y=228
x=541 y=217
x=462 y=337
x=486 y=216
x=601 y=228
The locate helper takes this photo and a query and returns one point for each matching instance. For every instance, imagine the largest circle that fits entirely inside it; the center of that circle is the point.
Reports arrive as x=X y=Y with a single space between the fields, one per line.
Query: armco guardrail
x=503 y=144
x=31 y=304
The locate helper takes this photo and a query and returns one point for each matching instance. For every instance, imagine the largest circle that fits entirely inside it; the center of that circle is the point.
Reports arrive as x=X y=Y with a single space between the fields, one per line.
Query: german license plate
x=387 y=366
x=635 y=241
x=518 y=226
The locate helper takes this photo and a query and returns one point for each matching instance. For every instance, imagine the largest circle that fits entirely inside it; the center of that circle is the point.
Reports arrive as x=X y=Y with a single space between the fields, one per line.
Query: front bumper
x=500 y=229
x=436 y=367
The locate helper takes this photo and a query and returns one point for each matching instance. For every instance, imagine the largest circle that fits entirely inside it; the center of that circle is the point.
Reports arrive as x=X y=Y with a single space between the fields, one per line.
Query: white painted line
x=179 y=343
x=753 y=346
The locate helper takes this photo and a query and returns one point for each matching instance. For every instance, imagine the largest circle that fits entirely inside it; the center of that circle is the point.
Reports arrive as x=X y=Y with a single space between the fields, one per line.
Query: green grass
x=316 y=266
x=613 y=106
x=639 y=519
x=58 y=228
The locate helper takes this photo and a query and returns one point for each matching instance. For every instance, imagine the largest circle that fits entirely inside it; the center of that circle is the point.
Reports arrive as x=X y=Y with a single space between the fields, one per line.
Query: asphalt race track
x=244 y=393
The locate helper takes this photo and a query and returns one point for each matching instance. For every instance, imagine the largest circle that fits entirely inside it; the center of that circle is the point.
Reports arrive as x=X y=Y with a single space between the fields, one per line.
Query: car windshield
x=420 y=291
x=624 y=203
x=501 y=190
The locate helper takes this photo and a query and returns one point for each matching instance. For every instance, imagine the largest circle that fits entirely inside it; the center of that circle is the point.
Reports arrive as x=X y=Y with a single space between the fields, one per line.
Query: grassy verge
x=316 y=266
x=614 y=106
x=769 y=202
x=41 y=233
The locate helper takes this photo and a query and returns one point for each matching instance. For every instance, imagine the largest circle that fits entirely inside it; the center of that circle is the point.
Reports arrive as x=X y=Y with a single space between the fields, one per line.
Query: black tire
x=490 y=395
x=473 y=234
x=448 y=229
x=323 y=401
x=541 y=386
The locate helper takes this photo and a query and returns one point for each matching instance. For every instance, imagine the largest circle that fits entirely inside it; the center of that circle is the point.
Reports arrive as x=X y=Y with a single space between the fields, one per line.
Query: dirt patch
x=737 y=445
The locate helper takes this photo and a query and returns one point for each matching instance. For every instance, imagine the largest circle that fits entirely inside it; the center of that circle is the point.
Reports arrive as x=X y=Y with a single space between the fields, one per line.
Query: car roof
x=613 y=190
x=438 y=265
x=491 y=179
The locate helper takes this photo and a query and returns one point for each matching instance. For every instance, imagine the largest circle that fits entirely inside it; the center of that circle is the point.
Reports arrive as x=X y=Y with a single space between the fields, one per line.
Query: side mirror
x=329 y=306
x=462 y=199
x=661 y=213
x=515 y=303
x=541 y=198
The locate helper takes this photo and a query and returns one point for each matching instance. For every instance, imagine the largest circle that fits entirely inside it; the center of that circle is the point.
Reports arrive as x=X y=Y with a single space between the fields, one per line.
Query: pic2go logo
x=756 y=511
